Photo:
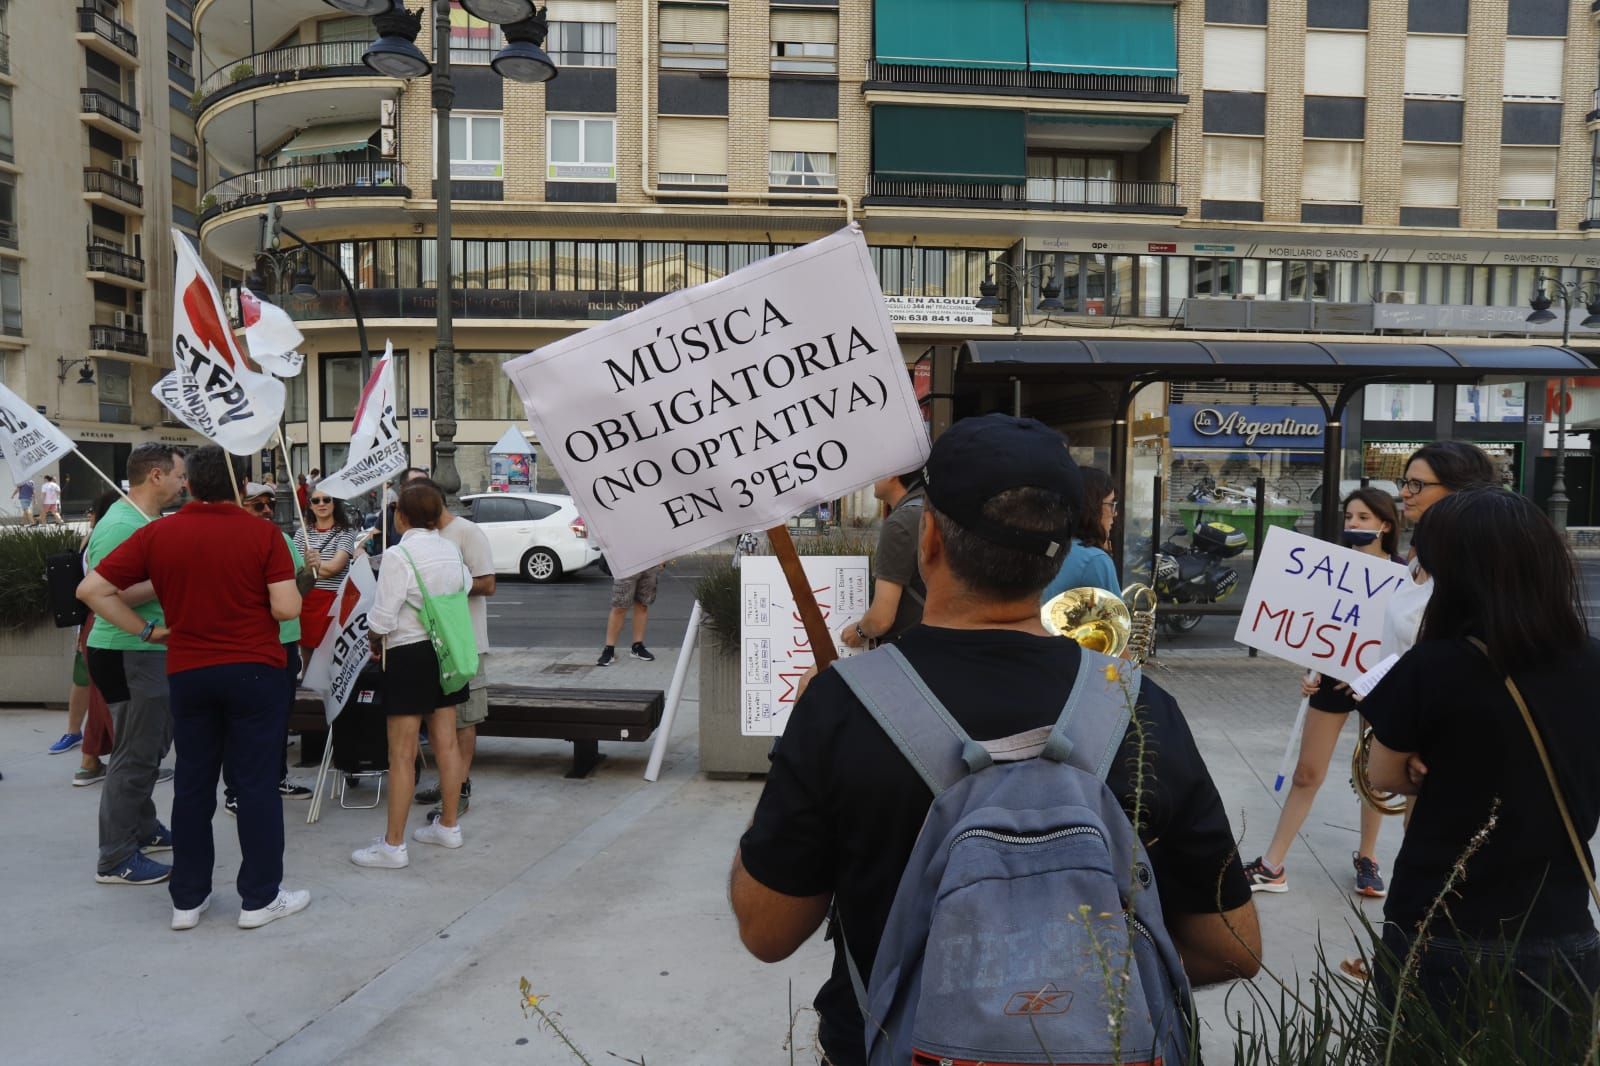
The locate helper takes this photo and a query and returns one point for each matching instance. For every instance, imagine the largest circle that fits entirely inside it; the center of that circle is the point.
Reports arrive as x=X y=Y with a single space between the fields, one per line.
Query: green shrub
x=24 y=600
x=240 y=72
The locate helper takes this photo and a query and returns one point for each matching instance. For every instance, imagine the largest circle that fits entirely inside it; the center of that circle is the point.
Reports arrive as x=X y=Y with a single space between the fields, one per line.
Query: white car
x=535 y=534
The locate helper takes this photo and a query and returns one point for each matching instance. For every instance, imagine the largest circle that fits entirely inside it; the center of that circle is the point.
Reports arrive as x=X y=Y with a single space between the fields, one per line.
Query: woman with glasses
x=332 y=543
x=1088 y=561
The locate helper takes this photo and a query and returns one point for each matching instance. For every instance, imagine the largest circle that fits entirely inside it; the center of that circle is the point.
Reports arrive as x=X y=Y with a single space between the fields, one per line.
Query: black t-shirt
x=1446 y=702
x=896 y=560
x=842 y=808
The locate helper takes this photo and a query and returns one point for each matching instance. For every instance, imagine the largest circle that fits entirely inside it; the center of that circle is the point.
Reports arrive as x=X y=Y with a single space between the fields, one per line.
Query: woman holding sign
x=332 y=542
x=1371 y=525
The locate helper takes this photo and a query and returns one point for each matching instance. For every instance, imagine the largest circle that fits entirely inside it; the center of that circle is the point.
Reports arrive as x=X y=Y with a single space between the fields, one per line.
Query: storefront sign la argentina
x=727 y=407
x=1233 y=427
x=1318 y=605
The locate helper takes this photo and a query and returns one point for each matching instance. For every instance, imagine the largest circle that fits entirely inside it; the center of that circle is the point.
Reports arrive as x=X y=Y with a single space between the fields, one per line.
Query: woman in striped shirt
x=332 y=544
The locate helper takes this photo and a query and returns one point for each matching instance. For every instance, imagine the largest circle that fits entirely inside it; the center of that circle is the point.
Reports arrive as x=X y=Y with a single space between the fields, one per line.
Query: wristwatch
x=862 y=633
x=144 y=634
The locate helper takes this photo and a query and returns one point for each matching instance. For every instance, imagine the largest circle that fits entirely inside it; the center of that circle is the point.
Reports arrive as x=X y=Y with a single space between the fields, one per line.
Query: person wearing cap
x=841 y=808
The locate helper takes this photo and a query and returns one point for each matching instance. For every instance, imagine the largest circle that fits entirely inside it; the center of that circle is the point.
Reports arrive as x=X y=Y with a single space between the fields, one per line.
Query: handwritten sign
x=1317 y=604
x=773 y=650
x=727 y=407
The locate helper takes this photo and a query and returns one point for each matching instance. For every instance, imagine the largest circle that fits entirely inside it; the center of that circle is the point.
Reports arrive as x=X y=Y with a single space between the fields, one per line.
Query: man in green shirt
x=131 y=673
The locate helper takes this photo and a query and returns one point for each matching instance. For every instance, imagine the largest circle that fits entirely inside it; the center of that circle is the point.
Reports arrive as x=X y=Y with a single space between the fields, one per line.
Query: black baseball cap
x=977 y=459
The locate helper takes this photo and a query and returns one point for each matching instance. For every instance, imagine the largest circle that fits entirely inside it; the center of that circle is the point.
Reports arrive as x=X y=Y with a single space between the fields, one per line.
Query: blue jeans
x=291 y=674
x=233 y=715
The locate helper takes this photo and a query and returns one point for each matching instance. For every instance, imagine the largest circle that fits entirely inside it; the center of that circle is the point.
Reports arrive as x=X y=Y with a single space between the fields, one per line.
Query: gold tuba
x=1104 y=622
x=1382 y=802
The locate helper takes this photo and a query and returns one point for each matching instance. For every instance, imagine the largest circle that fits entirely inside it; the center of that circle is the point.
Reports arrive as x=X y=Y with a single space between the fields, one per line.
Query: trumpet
x=1378 y=800
x=1104 y=622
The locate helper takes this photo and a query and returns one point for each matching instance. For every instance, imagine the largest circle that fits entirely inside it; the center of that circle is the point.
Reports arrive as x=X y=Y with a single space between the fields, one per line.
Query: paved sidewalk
x=608 y=895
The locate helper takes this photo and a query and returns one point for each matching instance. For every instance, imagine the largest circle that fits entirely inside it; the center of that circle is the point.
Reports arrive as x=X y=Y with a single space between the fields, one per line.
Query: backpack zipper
x=1028 y=838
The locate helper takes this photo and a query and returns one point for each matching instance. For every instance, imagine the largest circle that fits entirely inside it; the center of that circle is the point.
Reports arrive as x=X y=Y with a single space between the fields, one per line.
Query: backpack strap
x=933 y=743
x=1096 y=715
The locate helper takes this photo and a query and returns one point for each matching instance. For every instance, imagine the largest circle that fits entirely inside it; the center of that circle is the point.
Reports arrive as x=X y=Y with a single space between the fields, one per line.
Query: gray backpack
x=1025 y=891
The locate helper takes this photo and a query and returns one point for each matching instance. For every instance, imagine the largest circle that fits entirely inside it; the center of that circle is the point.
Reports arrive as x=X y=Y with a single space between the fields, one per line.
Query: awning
x=960 y=145
x=1308 y=361
x=331 y=139
x=1118 y=132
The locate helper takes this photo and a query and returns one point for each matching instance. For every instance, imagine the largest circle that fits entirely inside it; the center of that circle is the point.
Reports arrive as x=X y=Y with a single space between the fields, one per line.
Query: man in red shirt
x=225 y=580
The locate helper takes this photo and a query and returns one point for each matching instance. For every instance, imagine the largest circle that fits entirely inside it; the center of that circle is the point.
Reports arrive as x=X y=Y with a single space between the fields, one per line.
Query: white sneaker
x=381 y=855
x=286 y=904
x=435 y=833
x=190 y=919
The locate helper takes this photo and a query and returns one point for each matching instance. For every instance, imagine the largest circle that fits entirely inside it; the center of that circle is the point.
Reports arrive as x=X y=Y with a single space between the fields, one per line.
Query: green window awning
x=962 y=145
x=331 y=139
x=952 y=33
x=1097 y=37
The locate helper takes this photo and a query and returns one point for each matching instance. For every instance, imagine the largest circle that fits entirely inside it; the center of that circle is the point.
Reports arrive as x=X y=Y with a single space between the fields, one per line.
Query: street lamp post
x=395 y=55
x=1019 y=277
x=1569 y=292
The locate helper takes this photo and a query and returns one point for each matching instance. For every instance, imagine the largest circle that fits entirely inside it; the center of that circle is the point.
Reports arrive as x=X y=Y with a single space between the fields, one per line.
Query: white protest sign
x=773 y=650
x=272 y=336
x=1318 y=604
x=377 y=450
x=729 y=406
x=212 y=390
x=28 y=440
x=346 y=649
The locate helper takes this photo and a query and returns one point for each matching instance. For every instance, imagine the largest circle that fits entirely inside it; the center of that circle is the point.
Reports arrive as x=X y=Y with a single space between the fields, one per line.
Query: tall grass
x=24 y=597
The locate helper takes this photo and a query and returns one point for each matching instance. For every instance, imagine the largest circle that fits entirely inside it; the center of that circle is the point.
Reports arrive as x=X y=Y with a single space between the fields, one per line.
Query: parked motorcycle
x=1191 y=573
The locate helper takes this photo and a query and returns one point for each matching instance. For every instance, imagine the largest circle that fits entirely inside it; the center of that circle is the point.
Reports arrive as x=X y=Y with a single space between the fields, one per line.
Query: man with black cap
x=842 y=807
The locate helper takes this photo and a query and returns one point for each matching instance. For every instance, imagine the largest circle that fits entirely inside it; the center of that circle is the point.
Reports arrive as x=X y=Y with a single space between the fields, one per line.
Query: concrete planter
x=723 y=751
x=36 y=665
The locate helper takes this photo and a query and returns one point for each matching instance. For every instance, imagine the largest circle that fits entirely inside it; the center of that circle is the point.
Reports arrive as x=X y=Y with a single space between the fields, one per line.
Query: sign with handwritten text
x=773 y=650
x=1317 y=604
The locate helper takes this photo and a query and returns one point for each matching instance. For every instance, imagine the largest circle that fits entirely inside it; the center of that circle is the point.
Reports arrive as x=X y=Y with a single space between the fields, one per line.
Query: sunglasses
x=321 y=499
x=259 y=506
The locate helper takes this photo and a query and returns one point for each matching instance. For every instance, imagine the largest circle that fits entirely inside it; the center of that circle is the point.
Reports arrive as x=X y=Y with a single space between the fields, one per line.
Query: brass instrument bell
x=1095 y=618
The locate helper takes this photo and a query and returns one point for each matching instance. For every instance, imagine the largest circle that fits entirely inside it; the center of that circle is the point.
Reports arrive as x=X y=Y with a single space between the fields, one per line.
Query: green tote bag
x=449 y=624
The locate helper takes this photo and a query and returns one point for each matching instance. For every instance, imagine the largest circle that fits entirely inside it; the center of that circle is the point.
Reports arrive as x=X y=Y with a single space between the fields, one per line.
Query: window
x=1533 y=68
x=294 y=405
x=1236 y=59
x=475 y=146
x=354 y=28
x=1435 y=66
x=694 y=151
x=8 y=211
x=694 y=37
x=482 y=389
x=1232 y=168
x=582 y=149
x=472 y=40
x=1336 y=64
x=342 y=383
x=805 y=42
x=583 y=44
x=500 y=509
x=333 y=457
x=1505 y=402
x=1528 y=178
x=1397 y=403
x=1332 y=172
x=803 y=153
x=7 y=147
x=116 y=390
x=1069 y=178
x=1429 y=174
x=11 y=297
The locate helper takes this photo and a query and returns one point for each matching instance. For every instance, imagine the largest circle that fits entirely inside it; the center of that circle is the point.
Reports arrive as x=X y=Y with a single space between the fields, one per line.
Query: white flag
x=346 y=648
x=29 y=441
x=213 y=391
x=272 y=336
x=377 y=450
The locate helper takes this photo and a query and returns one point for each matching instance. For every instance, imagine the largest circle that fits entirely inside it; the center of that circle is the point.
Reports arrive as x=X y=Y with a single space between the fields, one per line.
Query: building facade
x=1326 y=169
x=98 y=158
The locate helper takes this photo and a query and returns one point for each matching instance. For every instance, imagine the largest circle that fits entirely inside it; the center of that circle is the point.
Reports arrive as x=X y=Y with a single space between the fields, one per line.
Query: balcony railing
x=98 y=102
x=1087 y=194
x=1594 y=112
x=112 y=261
x=107 y=28
x=8 y=235
x=298 y=60
x=306 y=179
x=5 y=53
x=117 y=339
x=1594 y=201
x=980 y=79
x=103 y=181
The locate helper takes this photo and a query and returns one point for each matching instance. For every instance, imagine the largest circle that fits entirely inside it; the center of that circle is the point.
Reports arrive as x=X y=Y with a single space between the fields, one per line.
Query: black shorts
x=107 y=673
x=1330 y=699
x=411 y=682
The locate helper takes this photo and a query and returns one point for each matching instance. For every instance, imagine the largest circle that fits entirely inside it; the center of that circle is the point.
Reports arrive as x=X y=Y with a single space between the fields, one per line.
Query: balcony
x=507 y=304
x=8 y=235
x=120 y=194
x=331 y=59
x=1594 y=113
x=117 y=339
x=99 y=29
x=112 y=264
x=1060 y=194
x=5 y=54
x=907 y=77
x=106 y=113
x=306 y=180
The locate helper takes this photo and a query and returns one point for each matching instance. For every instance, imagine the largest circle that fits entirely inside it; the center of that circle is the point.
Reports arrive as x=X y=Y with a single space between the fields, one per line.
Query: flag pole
x=114 y=486
x=233 y=476
x=288 y=465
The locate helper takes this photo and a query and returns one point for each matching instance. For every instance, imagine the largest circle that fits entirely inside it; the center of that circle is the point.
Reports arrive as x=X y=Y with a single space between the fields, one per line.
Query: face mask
x=1359 y=538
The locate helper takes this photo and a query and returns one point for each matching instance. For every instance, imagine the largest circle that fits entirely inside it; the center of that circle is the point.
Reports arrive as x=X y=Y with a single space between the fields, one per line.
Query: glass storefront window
x=1397 y=403
x=294 y=408
x=342 y=384
x=483 y=391
x=1491 y=403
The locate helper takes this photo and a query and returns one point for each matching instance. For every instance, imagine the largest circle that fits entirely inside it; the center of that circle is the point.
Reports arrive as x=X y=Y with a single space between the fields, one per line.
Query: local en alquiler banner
x=212 y=389
x=28 y=440
x=377 y=450
x=774 y=653
x=346 y=648
x=1317 y=604
x=727 y=407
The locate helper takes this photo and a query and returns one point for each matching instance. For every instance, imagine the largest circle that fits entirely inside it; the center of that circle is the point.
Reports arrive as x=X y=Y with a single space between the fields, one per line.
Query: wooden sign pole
x=805 y=601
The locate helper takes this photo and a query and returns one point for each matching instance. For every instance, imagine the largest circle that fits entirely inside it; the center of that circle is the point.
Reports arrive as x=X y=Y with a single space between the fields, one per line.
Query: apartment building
x=98 y=158
x=1308 y=170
